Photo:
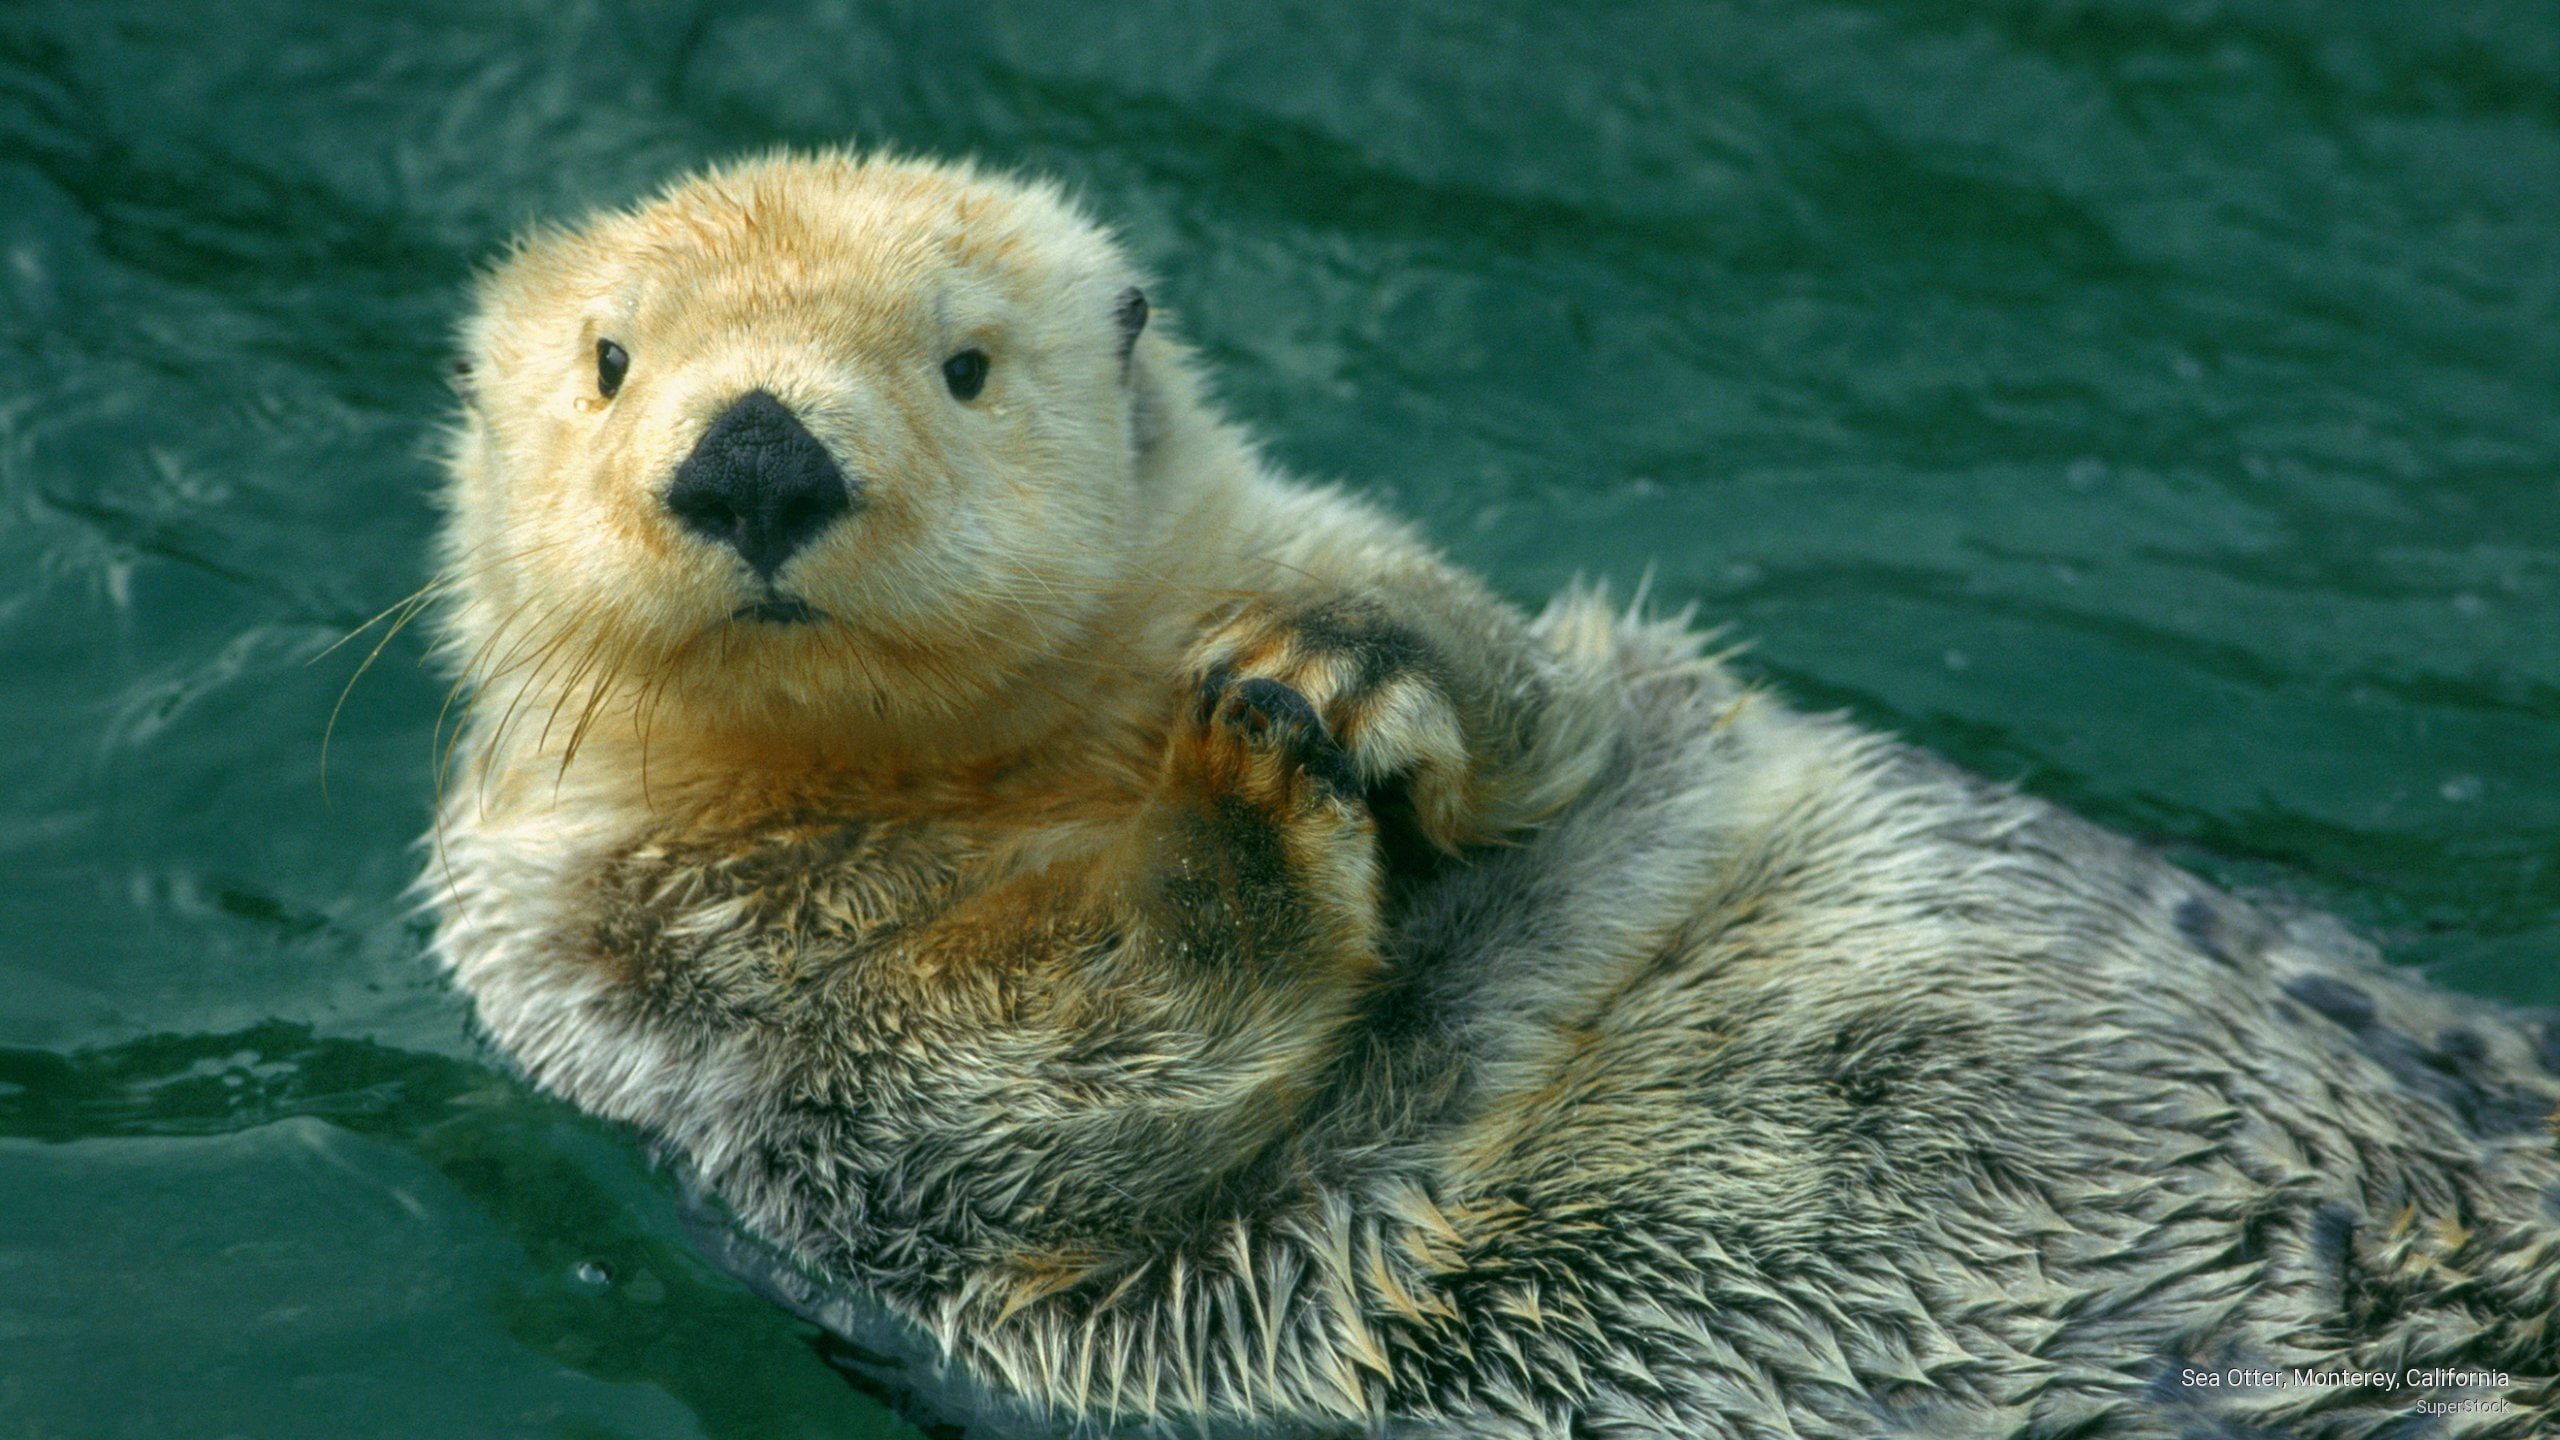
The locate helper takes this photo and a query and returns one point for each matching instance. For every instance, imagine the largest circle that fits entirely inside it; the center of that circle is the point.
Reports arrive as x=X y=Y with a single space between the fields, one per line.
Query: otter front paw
x=1257 y=740
x=1276 y=856
x=1379 y=689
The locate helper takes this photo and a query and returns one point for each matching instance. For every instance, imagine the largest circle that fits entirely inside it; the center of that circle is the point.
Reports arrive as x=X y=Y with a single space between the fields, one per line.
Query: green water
x=2154 y=403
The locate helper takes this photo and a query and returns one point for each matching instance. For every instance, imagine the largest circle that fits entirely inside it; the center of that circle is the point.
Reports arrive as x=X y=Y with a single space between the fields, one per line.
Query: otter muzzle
x=760 y=483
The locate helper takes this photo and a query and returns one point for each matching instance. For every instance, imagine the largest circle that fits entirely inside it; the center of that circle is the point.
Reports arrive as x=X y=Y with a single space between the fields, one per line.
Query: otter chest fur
x=1161 y=930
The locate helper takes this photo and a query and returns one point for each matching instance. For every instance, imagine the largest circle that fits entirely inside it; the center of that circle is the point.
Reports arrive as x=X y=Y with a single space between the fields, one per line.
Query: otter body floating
x=1208 y=963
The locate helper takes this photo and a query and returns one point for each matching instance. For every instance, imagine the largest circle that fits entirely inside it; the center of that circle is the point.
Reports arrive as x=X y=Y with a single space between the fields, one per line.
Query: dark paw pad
x=1267 y=715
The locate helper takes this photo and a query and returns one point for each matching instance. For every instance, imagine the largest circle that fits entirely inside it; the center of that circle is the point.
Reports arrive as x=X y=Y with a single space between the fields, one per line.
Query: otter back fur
x=1210 y=963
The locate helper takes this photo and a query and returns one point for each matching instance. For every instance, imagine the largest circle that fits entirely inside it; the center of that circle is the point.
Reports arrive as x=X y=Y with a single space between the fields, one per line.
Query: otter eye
x=612 y=363
x=966 y=374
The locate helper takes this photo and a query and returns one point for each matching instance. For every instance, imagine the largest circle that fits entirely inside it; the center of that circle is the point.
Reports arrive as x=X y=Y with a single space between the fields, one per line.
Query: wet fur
x=1276 y=983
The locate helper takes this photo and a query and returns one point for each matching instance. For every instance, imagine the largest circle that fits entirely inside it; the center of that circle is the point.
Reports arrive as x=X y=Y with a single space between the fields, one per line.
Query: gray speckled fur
x=1790 y=1084
x=1990 y=1123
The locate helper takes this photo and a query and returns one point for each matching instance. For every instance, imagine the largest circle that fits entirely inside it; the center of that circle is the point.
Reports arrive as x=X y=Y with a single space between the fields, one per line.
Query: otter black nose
x=757 y=480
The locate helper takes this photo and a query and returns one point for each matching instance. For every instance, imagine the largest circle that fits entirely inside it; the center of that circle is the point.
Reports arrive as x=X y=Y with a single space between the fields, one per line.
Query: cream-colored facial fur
x=990 y=541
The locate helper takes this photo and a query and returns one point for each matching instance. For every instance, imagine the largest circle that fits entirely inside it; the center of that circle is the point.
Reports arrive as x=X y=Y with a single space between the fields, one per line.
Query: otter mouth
x=779 y=610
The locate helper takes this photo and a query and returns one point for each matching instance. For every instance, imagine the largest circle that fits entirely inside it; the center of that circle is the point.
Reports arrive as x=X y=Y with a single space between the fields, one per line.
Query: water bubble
x=594 y=1275
x=2461 y=789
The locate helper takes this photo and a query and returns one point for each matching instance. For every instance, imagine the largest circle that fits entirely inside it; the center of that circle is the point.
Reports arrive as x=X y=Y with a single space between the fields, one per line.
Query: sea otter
x=1209 y=962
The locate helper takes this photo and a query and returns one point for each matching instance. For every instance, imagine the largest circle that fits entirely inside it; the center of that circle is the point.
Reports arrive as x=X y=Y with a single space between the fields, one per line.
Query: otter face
x=798 y=432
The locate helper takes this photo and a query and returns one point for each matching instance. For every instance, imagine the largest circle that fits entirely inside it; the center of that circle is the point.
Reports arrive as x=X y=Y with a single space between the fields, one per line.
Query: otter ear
x=1131 y=312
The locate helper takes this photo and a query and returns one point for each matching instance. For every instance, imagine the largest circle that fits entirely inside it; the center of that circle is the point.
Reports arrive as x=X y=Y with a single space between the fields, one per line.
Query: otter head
x=807 y=436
